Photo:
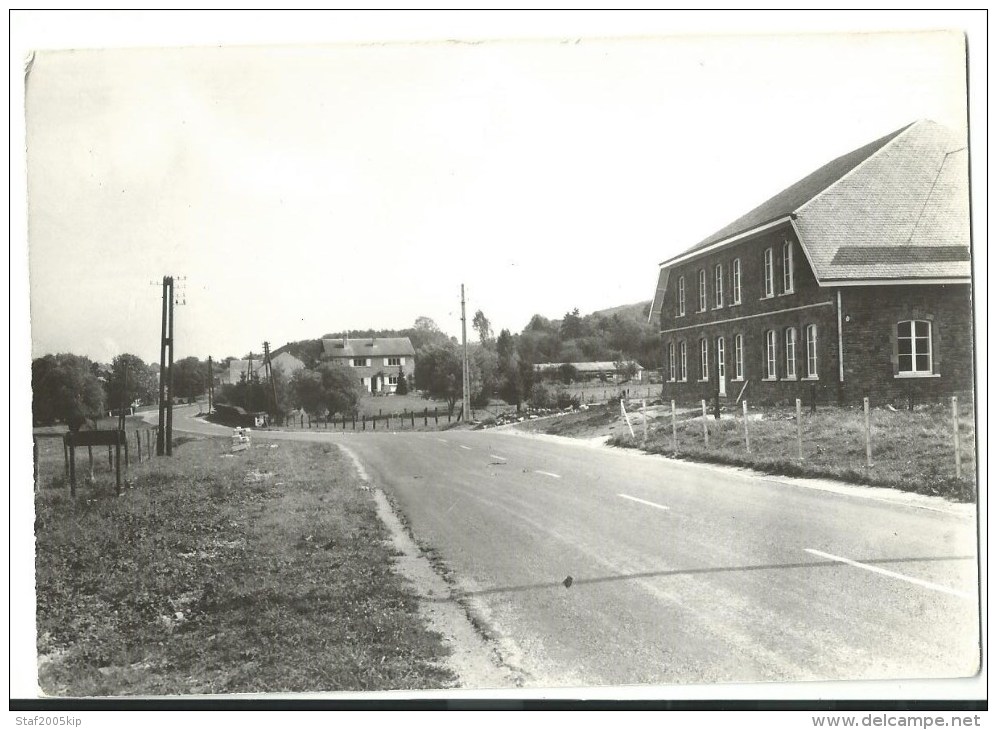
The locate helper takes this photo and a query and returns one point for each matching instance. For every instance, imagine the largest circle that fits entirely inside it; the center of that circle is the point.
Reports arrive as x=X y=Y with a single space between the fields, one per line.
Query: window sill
x=916 y=376
x=789 y=380
x=811 y=378
x=737 y=380
x=770 y=380
x=703 y=380
x=788 y=293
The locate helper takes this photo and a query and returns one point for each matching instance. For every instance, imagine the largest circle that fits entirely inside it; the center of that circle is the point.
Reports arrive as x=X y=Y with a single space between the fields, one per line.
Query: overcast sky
x=307 y=189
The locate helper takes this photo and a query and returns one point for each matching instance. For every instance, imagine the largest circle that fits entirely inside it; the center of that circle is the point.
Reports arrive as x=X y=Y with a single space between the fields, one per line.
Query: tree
x=326 y=390
x=402 y=387
x=190 y=378
x=568 y=373
x=571 y=325
x=439 y=371
x=130 y=380
x=65 y=388
x=482 y=326
x=483 y=363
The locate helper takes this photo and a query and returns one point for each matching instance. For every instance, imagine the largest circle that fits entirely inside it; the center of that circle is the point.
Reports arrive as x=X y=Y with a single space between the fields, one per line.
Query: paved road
x=679 y=573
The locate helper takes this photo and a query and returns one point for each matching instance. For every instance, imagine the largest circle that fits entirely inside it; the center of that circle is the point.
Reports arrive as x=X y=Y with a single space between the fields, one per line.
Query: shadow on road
x=698 y=571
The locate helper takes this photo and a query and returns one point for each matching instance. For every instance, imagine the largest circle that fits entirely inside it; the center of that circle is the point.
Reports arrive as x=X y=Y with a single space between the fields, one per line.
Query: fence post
x=90 y=455
x=138 y=444
x=706 y=429
x=747 y=438
x=72 y=471
x=110 y=458
x=425 y=416
x=643 y=413
x=127 y=463
x=675 y=433
x=148 y=442
x=117 y=469
x=363 y=421
x=65 y=455
x=354 y=419
x=412 y=415
x=799 y=430
x=868 y=434
x=302 y=420
x=955 y=436
x=373 y=420
x=436 y=414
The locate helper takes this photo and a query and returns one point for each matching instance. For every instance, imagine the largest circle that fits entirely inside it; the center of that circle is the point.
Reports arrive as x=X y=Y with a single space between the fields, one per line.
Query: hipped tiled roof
x=369 y=347
x=897 y=208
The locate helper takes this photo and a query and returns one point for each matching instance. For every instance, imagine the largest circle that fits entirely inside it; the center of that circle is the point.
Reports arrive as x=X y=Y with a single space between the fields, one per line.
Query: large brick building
x=853 y=282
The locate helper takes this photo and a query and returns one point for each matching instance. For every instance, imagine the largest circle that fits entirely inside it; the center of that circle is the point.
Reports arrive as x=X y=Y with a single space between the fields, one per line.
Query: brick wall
x=869 y=341
x=808 y=304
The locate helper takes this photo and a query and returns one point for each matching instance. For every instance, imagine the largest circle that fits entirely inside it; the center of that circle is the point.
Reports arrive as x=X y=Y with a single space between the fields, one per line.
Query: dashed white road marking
x=466 y=448
x=643 y=501
x=443 y=441
x=549 y=474
x=500 y=458
x=891 y=574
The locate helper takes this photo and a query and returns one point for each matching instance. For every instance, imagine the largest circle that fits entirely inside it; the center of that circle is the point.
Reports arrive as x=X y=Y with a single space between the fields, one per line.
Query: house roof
x=897 y=208
x=369 y=347
x=286 y=361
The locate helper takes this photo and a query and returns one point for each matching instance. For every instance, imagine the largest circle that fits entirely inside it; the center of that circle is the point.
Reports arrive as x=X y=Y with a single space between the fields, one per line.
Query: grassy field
x=261 y=571
x=912 y=451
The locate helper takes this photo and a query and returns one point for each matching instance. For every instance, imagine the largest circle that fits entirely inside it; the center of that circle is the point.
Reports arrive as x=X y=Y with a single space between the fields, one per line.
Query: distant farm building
x=377 y=362
x=603 y=371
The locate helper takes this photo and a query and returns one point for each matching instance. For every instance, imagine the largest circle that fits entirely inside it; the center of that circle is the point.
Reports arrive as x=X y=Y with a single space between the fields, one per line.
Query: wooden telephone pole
x=268 y=371
x=466 y=375
x=211 y=384
x=164 y=435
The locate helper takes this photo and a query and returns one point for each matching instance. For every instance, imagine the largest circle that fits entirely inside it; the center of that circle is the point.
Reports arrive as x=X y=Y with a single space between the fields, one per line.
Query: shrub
x=564 y=399
x=540 y=396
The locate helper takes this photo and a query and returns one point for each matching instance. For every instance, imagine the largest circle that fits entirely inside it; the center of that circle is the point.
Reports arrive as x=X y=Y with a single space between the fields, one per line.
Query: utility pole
x=164 y=435
x=466 y=404
x=211 y=384
x=268 y=371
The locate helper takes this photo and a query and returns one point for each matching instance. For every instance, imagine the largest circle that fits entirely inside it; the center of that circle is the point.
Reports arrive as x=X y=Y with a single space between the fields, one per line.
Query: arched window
x=769 y=274
x=683 y=371
x=787 y=267
x=791 y=352
x=681 y=307
x=704 y=360
x=811 y=351
x=914 y=347
x=718 y=286
x=702 y=290
x=721 y=359
x=770 y=355
x=738 y=357
x=736 y=276
x=671 y=361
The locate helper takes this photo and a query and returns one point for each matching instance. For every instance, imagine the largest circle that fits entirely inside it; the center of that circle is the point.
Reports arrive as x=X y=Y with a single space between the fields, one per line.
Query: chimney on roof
x=346 y=338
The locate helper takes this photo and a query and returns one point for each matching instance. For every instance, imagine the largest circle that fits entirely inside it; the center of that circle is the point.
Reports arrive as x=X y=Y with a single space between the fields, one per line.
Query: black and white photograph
x=595 y=365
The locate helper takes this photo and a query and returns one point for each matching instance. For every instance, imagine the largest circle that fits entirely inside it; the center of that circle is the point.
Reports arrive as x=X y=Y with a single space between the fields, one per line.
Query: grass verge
x=911 y=451
x=263 y=571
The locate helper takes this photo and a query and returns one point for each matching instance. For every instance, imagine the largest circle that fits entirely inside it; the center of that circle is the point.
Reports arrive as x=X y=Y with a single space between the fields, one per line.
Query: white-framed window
x=683 y=371
x=769 y=274
x=787 y=267
x=811 y=351
x=681 y=305
x=396 y=361
x=702 y=290
x=791 y=352
x=359 y=362
x=718 y=286
x=736 y=276
x=721 y=359
x=914 y=347
x=738 y=357
x=671 y=361
x=704 y=359
x=770 y=355
x=392 y=380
